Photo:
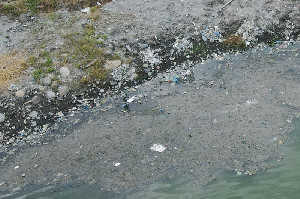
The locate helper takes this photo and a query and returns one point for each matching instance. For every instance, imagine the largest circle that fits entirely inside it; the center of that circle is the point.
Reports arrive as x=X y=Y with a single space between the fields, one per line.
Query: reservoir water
x=279 y=182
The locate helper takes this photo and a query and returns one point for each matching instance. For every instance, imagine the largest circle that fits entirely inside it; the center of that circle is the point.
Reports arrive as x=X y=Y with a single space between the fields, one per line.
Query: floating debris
x=158 y=148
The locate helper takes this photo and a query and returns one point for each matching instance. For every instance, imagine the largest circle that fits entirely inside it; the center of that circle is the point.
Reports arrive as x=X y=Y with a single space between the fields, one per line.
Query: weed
x=234 y=42
x=93 y=9
x=97 y=72
x=200 y=50
x=87 y=53
x=49 y=62
x=33 y=5
x=45 y=54
x=32 y=60
x=50 y=70
x=272 y=42
x=37 y=74
x=113 y=57
x=53 y=17
x=13 y=9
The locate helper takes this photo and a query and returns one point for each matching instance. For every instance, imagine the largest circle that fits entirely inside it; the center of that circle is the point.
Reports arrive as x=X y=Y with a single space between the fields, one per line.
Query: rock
x=33 y=114
x=2 y=117
x=63 y=90
x=35 y=100
x=46 y=81
x=51 y=76
x=54 y=84
x=110 y=65
x=20 y=93
x=107 y=51
x=134 y=76
x=50 y=94
x=64 y=71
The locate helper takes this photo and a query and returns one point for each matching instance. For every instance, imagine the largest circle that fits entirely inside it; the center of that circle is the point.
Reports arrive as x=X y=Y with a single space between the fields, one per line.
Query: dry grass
x=12 y=66
x=16 y=7
x=234 y=42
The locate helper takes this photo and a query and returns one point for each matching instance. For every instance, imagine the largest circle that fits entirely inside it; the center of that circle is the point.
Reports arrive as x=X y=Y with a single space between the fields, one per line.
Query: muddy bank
x=230 y=113
x=233 y=114
x=142 y=42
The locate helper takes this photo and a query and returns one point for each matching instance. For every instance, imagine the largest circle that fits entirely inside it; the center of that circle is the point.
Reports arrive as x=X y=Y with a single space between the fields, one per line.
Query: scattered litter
x=86 y=10
x=2 y=117
x=252 y=102
x=132 y=99
x=117 y=164
x=158 y=148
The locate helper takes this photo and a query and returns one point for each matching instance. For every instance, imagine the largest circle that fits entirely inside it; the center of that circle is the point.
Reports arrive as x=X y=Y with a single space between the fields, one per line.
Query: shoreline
x=163 y=63
x=113 y=147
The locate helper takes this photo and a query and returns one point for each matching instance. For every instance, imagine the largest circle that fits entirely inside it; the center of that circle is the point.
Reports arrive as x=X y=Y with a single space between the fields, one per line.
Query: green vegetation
x=48 y=62
x=50 y=70
x=86 y=51
x=13 y=9
x=272 y=42
x=200 y=50
x=42 y=67
x=53 y=17
x=37 y=74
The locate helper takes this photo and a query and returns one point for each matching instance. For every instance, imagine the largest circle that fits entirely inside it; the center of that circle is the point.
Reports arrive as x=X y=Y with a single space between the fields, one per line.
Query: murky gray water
x=280 y=182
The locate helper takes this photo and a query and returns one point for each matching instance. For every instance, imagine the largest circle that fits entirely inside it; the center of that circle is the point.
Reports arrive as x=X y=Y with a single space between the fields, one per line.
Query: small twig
x=225 y=6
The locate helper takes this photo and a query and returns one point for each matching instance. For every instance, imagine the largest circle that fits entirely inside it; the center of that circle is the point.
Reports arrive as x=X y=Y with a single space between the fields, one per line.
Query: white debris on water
x=252 y=102
x=117 y=164
x=158 y=148
x=133 y=98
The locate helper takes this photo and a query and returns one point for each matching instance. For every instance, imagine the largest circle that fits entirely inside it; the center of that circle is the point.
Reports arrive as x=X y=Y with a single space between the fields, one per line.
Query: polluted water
x=280 y=182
